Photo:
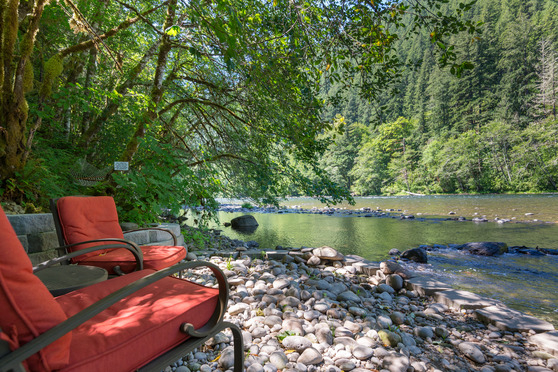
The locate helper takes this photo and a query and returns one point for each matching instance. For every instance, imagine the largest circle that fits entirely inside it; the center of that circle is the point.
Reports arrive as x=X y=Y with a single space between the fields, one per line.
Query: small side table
x=66 y=278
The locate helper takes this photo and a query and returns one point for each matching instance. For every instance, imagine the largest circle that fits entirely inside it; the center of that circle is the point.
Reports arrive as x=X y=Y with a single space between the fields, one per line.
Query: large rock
x=484 y=248
x=548 y=341
x=416 y=254
x=512 y=320
x=243 y=222
x=328 y=253
x=390 y=267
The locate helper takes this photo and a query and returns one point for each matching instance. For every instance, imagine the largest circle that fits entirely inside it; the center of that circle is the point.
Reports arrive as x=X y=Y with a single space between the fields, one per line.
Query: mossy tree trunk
x=16 y=78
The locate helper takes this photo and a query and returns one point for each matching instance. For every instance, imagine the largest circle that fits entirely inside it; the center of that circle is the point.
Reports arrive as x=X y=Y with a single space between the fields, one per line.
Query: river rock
x=345 y=364
x=424 y=332
x=348 y=296
x=384 y=321
x=245 y=221
x=394 y=281
x=397 y=317
x=297 y=343
x=278 y=359
x=362 y=352
x=390 y=267
x=396 y=362
x=385 y=288
x=324 y=335
x=255 y=367
x=328 y=253
x=484 y=248
x=293 y=325
x=389 y=338
x=310 y=356
x=238 y=308
x=472 y=352
x=226 y=360
x=314 y=261
x=416 y=254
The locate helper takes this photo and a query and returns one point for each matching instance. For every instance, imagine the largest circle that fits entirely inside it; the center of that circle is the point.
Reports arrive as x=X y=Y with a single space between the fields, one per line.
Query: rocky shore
x=369 y=212
x=313 y=309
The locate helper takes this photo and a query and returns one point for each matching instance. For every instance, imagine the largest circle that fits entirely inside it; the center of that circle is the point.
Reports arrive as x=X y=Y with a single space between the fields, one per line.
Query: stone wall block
x=179 y=241
x=42 y=242
x=24 y=242
x=158 y=235
x=138 y=237
x=25 y=224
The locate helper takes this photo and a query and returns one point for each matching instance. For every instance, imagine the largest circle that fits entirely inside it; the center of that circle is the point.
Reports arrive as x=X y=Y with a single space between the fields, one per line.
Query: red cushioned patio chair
x=143 y=321
x=85 y=221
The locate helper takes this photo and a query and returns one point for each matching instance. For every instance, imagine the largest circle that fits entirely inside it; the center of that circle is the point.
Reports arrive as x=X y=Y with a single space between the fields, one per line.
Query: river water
x=526 y=283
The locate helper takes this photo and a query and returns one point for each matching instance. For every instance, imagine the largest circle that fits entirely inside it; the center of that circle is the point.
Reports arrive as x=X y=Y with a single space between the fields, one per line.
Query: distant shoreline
x=369 y=212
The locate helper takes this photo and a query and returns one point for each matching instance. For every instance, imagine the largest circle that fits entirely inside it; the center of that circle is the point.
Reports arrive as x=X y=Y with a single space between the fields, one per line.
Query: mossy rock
x=389 y=338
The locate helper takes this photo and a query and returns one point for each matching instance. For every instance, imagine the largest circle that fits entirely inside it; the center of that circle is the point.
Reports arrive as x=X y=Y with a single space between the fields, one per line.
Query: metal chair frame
x=12 y=360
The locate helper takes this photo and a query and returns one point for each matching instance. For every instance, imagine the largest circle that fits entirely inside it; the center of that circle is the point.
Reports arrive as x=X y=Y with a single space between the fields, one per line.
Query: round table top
x=66 y=278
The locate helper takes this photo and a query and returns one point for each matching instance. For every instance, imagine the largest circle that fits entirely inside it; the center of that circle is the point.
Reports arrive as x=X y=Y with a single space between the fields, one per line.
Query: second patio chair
x=86 y=221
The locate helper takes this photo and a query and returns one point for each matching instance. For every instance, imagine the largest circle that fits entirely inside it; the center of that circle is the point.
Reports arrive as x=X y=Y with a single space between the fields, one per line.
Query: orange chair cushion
x=27 y=308
x=137 y=329
x=85 y=218
x=154 y=257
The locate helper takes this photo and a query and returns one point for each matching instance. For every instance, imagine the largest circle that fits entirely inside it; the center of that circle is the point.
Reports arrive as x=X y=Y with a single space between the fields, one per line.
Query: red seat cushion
x=94 y=217
x=85 y=218
x=137 y=329
x=27 y=309
x=154 y=257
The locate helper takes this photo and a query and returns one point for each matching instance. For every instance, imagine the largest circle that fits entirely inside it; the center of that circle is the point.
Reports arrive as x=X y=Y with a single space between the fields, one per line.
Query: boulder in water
x=484 y=248
x=244 y=221
x=416 y=254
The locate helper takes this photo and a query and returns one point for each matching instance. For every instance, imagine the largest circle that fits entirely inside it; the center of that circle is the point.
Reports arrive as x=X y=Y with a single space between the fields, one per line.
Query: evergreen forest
x=491 y=130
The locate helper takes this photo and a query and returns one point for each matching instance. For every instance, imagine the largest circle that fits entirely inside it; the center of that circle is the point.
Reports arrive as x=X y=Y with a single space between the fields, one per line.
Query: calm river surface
x=527 y=283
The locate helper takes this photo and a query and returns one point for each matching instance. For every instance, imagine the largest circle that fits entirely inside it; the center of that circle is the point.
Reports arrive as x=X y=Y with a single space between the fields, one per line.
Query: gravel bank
x=300 y=313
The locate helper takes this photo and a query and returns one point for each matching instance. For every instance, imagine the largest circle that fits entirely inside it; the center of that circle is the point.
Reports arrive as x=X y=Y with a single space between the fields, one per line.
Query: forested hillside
x=494 y=129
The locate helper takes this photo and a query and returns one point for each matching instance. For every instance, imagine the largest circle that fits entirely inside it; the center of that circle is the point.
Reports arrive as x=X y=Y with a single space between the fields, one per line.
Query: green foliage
x=197 y=238
x=487 y=131
x=247 y=205
x=232 y=103
x=152 y=186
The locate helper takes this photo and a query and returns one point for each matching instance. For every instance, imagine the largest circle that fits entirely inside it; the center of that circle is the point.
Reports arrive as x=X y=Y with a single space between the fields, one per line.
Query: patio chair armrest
x=131 y=246
x=213 y=324
x=154 y=228
x=16 y=357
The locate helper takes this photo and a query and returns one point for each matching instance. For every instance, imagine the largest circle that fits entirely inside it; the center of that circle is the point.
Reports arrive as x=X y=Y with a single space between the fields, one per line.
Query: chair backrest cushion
x=27 y=309
x=85 y=218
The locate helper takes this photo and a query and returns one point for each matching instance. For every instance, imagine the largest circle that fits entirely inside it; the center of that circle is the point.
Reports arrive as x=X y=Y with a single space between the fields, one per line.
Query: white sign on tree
x=121 y=166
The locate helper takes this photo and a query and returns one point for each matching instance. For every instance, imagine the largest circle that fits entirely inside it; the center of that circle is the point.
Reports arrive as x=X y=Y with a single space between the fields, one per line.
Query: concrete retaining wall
x=38 y=235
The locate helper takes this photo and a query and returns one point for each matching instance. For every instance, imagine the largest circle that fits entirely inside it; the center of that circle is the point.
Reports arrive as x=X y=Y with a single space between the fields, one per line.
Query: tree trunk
x=156 y=92
x=14 y=82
